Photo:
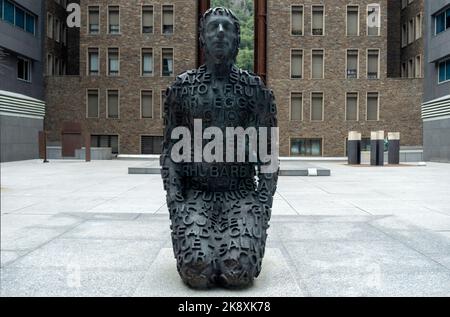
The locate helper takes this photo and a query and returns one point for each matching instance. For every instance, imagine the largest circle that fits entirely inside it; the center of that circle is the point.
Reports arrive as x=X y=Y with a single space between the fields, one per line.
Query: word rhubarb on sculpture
x=219 y=162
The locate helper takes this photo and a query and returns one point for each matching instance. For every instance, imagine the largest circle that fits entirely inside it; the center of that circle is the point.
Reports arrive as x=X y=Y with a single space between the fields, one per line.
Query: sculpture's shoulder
x=250 y=78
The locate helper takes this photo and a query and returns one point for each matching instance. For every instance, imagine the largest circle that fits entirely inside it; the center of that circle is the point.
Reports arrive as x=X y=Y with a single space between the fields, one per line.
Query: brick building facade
x=355 y=83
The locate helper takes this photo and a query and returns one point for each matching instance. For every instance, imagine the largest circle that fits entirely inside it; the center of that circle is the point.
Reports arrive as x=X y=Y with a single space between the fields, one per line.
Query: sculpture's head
x=220 y=35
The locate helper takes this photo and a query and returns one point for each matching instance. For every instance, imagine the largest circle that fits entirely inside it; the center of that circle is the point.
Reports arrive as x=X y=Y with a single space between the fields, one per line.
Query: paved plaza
x=70 y=228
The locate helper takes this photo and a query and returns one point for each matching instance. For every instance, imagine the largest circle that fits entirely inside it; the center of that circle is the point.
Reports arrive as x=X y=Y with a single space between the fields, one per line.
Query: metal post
x=394 y=148
x=354 y=148
x=87 y=142
x=260 y=66
x=43 y=146
x=203 y=6
x=380 y=148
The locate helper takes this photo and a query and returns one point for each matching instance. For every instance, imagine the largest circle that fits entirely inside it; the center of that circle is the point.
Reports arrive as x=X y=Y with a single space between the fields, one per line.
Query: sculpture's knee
x=198 y=271
x=239 y=273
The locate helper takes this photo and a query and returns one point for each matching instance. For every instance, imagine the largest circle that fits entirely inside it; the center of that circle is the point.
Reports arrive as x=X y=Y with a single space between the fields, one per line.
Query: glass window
x=23 y=69
x=306 y=147
x=296 y=106
x=147 y=104
x=151 y=144
x=147 y=19
x=372 y=64
x=317 y=20
x=297 y=20
x=8 y=13
x=167 y=62
x=94 y=20
x=147 y=62
x=352 y=20
x=111 y=141
x=317 y=64
x=30 y=23
x=113 y=62
x=440 y=22
x=20 y=18
x=1 y=9
x=93 y=61
x=92 y=109
x=113 y=104
x=317 y=107
x=352 y=64
x=352 y=107
x=444 y=71
x=447 y=24
x=167 y=27
x=114 y=17
x=372 y=106
x=373 y=20
x=297 y=64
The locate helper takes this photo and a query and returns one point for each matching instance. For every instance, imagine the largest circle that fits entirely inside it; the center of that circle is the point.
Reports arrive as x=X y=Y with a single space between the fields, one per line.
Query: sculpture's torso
x=236 y=100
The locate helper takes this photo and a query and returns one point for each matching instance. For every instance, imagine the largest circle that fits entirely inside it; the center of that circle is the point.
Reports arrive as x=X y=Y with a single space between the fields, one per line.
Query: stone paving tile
x=276 y=279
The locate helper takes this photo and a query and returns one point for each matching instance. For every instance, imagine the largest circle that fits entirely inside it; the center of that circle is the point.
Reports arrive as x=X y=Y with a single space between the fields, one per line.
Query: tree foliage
x=244 y=11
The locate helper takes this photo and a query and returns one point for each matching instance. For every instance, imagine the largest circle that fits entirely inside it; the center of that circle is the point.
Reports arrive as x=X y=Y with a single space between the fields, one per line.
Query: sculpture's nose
x=221 y=31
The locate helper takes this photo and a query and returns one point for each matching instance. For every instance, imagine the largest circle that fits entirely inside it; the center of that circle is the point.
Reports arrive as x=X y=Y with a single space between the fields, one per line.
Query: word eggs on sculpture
x=219 y=192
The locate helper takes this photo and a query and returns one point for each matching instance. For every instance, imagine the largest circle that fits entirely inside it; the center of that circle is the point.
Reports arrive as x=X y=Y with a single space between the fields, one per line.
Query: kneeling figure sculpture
x=219 y=208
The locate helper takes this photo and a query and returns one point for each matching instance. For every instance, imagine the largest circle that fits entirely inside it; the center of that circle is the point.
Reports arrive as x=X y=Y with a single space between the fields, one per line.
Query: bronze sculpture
x=219 y=210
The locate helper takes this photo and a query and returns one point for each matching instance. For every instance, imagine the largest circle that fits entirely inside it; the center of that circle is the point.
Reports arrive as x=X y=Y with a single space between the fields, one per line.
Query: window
x=418 y=66
x=147 y=62
x=404 y=70
x=167 y=62
x=113 y=104
x=444 y=71
x=442 y=21
x=147 y=104
x=317 y=64
x=318 y=22
x=411 y=35
x=49 y=65
x=30 y=23
x=24 y=69
x=297 y=20
x=167 y=19
x=93 y=62
x=373 y=20
x=419 y=26
x=317 y=106
x=411 y=68
x=306 y=147
x=296 y=106
x=56 y=66
x=113 y=20
x=372 y=106
x=147 y=19
x=93 y=103
x=373 y=64
x=20 y=18
x=113 y=62
x=151 y=144
x=49 y=26
x=404 y=4
x=94 y=20
x=351 y=107
x=57 y=30
x=8 y=12
x=404 y=35
x=352 y=63
x=111 y=141
x=352 y=20
x=296 y=64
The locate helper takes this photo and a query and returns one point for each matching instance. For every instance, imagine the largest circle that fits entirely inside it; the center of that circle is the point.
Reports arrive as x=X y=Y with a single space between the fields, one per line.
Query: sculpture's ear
x=202 y=40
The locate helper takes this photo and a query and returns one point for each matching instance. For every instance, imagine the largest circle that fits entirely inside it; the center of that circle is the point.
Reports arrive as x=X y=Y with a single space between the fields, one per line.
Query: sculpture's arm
x=268 y=170
x=171 y=172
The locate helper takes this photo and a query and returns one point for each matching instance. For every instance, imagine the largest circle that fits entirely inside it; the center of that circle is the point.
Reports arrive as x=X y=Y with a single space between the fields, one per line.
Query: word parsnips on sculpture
x=219 y=162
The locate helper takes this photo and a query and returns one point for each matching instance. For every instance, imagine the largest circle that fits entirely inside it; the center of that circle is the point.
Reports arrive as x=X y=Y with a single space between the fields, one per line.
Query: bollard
x=354 y=148
x=87 y=142
x=394 y=148
x=377 y=148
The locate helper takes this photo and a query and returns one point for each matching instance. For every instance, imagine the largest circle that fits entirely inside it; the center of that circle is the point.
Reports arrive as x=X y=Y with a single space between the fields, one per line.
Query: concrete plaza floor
x=89 y=229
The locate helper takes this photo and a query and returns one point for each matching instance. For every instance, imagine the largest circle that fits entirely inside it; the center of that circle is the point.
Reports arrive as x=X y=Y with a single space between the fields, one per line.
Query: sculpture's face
x=220 y=38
